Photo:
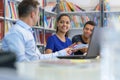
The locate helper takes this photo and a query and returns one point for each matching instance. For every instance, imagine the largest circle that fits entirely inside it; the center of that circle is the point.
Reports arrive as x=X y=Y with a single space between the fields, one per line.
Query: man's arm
x=14 y=43
x=66 y=51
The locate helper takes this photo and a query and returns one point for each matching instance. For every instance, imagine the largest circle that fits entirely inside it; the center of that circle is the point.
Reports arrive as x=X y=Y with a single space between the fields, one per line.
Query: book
x=47 y=35
x=41 y=3
x=41 y=37
x=107 y=5
x=38 y=36
x=45 y=22
x=67 y=6
x=50 y=6
x=71 y=5
x=8 y=12
x=1 y=29
x=61 y=5
x=51 y=22
x=79 y=8
x=7 y=26
x=1 y=21
x=1 y=8
x=80 y=46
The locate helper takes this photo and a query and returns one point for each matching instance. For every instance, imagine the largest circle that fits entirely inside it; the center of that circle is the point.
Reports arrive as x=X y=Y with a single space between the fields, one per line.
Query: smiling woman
x=60 y=40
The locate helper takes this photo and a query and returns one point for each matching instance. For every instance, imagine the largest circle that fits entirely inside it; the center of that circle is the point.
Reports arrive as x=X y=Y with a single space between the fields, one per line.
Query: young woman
x=60 y=40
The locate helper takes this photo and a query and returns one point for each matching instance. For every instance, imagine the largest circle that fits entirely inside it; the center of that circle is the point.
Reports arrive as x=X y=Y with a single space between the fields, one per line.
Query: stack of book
x=1 y=20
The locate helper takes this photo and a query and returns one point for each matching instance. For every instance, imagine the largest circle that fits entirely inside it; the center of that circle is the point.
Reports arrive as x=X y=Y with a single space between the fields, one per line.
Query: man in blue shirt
x=20 y=39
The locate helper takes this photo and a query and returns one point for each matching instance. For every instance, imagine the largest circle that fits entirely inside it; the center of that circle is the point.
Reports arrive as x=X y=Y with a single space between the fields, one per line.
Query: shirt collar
x=24 y=25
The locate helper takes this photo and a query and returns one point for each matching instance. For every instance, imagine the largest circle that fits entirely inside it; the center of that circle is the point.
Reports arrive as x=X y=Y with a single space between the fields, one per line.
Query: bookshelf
x=100 y=11
x=1 y=19
x=112 y=15
x=105 y=9
x=80 y=11
x=84 y=11
x=48 y=10
x=49 y=19
x=10 y=16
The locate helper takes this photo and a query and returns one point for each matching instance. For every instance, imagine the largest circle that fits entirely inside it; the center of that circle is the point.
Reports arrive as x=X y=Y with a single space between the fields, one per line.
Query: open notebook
x=93 y=48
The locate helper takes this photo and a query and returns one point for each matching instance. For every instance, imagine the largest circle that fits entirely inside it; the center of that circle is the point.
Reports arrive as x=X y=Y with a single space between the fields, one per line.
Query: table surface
x=59 y=69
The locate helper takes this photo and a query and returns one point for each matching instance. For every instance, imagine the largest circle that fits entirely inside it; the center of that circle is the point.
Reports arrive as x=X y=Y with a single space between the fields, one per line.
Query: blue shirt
x=55 y=44
x=20 y=40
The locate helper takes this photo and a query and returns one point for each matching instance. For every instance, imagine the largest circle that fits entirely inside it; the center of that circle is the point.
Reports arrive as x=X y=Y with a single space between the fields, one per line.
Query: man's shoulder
x=15 y=30
x=76 y=36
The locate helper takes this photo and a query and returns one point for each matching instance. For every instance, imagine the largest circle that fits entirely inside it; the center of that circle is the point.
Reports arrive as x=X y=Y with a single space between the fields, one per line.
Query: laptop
x=93 y=48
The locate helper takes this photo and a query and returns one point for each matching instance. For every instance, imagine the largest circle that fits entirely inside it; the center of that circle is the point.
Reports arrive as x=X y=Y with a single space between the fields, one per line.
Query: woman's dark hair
x=91 y=23
x=27 y=6
x=58 y=18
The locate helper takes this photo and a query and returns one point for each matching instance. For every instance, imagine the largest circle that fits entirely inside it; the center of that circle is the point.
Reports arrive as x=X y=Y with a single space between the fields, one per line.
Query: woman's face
x=63 y=24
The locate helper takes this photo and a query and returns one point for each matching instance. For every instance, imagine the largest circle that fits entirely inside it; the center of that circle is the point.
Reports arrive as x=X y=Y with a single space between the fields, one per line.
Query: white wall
x=88 y=4
x=115 y=5
x=85 y=4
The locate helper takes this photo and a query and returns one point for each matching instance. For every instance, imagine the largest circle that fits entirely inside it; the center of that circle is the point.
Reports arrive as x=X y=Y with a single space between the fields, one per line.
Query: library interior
x=59 y=39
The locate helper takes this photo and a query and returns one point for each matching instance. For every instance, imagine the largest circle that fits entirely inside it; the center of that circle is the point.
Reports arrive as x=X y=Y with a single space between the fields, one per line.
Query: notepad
x=80 y=46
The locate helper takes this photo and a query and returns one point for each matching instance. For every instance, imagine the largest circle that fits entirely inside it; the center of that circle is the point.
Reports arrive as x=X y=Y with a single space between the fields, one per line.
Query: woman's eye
x=67 y=22
x=61 y=21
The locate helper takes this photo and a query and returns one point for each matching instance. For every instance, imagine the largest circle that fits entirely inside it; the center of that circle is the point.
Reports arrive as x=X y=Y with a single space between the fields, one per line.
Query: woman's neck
x=61 y=36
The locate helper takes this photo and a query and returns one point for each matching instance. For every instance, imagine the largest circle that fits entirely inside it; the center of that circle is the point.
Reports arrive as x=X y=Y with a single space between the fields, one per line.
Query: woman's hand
x=68 y=50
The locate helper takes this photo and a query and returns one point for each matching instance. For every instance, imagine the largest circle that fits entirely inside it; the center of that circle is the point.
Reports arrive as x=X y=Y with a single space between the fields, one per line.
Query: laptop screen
x=94 y=45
